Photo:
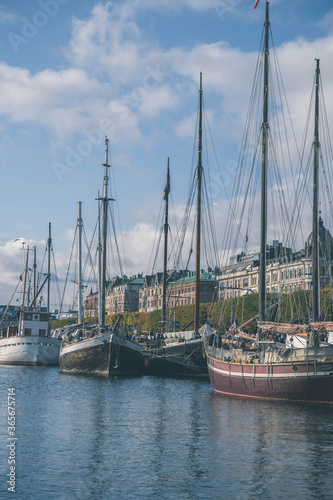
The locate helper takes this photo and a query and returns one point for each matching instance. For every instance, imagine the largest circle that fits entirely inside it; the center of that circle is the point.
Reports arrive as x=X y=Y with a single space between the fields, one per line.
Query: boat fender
x=146 y=363
x=211 y=340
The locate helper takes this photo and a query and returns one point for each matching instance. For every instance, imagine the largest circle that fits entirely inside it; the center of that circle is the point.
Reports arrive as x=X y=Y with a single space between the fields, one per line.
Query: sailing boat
x=261 y=366
x=105 y=353
x=30 y=342
x=182 y=356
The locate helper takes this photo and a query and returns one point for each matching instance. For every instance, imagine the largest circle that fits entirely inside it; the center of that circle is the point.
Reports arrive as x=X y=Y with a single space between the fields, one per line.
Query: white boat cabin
x=34 y=323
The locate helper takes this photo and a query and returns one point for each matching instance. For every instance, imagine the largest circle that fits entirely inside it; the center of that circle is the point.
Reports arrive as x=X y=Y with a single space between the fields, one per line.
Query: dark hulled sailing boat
x=266 y=368
x=181 y=357
x=106 y=352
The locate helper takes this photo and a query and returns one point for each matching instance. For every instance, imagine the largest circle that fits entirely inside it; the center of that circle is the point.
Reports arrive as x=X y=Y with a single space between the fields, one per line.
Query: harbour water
x=132 y=438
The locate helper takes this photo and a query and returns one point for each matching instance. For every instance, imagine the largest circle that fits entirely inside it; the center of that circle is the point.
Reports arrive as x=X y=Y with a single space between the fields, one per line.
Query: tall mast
x=105 y=207
x=35 y=273
x=99 y=250
x=198 y=224
x=165 y=259
x=49 y=243
x=263 y=222
x=79 y=225
x=25 y=278
x=20 y=329
x=315 y=219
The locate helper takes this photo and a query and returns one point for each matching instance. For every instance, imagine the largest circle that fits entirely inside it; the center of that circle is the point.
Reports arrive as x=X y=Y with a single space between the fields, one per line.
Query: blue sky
x=72 y=70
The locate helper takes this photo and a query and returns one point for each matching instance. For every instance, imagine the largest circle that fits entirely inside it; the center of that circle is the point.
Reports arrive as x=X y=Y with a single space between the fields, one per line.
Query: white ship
x=30 y=342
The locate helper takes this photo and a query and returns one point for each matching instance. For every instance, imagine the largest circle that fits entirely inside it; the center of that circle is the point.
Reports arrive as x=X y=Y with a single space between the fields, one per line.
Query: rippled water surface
x=132 y=438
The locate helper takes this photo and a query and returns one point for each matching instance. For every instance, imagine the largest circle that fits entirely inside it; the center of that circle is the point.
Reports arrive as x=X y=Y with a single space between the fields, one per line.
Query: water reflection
x=85 y=437
x=272 y=449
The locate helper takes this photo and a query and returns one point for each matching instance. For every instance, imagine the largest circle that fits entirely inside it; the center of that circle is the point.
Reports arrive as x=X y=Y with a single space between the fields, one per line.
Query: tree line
x=293 y=307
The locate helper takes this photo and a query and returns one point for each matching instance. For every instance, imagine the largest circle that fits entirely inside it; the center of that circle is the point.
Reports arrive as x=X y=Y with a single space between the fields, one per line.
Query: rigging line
x=280 y=81
x=6 y=309
x=43 y=260
x=89 y=259
x=209 y=212
x=157 y=250
x=211 y=224
x=324 y=118
x=116 y=241
x=118 y=218
x=245 y=200
x=328 y=146
x=68 y=268
x=254 y=91
x=191 y=245
x=158 y=225
x=92 y=278
x=184 y=223
x=301 y=186
x=233 y=207
x=280 y=191
x=246 y=146
x=193 y=168
x=302 y=195
x=171 y=256
x=56 y=278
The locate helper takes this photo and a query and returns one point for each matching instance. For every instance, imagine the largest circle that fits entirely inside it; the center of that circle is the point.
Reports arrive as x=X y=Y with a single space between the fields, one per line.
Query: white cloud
x=8 y=17
x=158 y=100
x=117 y=69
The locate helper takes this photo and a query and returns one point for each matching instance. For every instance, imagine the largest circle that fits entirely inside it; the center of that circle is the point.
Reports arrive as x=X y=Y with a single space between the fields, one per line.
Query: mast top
x=106 y=164
x=267 y=23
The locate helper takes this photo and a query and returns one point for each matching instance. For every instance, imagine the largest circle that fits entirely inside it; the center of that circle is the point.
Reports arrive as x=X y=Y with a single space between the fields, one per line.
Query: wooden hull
x=105 y=355
x=29 y=350
x=181 y=359
x=299 y=381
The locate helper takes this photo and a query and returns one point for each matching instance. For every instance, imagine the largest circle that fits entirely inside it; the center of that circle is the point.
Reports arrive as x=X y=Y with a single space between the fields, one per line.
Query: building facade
x=150 y=295
x=286 y=271
x=90 y=305
x=123 y=295
x=182 y=291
